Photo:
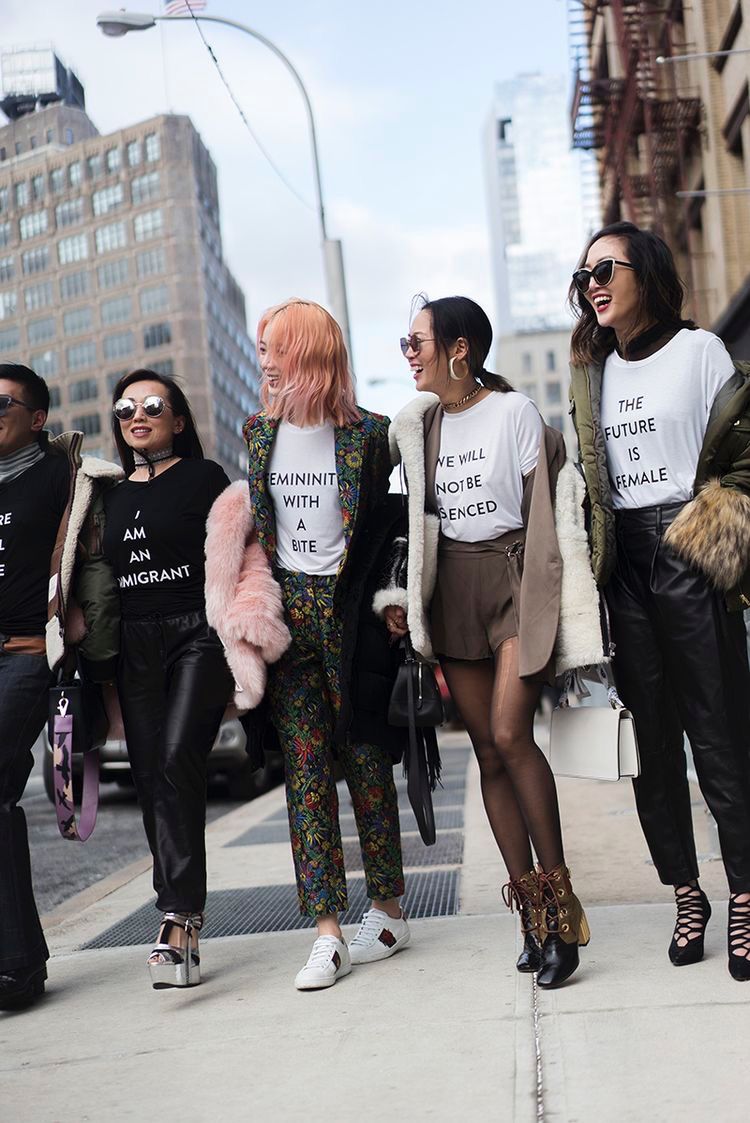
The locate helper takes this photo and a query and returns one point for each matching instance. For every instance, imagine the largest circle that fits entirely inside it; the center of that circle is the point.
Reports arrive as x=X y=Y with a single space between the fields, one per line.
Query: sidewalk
x=445 y=1030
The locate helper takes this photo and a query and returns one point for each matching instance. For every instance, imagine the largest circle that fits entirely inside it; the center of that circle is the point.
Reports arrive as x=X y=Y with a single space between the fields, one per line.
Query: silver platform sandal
x=176 y=967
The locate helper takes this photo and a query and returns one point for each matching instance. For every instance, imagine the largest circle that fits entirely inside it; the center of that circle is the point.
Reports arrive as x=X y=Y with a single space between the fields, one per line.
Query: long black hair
x=458 y=317
x=661 y=294
x=186 y=444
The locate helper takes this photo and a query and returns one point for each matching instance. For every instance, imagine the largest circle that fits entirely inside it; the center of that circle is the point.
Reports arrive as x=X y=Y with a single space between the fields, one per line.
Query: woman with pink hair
x=318 y=472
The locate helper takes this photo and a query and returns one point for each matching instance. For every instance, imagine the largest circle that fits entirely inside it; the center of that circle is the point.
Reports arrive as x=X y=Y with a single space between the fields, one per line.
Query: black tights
x=518 y=787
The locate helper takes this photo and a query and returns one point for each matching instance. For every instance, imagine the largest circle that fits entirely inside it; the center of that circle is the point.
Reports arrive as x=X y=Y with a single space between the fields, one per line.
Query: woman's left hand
x=395 y=620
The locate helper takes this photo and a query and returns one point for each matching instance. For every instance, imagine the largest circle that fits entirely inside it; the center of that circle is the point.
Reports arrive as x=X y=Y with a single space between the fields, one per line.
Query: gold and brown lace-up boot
x=563 y=927
x=523 y=895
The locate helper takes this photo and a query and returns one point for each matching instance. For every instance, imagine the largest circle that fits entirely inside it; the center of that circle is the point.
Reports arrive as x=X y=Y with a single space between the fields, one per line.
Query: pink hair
x=315 y=384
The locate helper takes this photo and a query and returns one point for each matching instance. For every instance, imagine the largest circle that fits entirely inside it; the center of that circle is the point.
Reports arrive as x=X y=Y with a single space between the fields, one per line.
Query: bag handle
x=62 y=771
x=418 y=783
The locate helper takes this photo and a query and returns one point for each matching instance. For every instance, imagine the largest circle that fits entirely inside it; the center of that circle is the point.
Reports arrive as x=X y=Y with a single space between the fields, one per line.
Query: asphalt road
x=61 y=868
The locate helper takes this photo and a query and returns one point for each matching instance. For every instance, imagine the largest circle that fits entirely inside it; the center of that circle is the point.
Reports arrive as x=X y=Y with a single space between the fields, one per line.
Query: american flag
x=183 y=7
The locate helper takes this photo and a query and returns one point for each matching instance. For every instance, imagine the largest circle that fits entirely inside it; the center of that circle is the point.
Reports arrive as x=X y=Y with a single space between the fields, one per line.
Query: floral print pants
x=305 y=698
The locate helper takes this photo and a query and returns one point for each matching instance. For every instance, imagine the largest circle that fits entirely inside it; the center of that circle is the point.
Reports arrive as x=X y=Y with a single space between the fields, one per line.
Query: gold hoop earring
x=451 y=372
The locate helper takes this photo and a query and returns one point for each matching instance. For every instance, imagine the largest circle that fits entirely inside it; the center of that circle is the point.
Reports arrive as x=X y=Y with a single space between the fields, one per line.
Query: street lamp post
x=120 y=22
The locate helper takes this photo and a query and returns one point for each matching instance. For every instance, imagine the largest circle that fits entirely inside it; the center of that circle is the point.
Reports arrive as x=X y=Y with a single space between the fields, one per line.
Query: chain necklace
x=466 y=398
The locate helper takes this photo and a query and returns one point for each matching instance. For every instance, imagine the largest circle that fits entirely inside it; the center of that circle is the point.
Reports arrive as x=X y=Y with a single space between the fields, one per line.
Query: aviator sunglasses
x=412 y=341
x=602 y=273
x=153 y=406
x=6 y=401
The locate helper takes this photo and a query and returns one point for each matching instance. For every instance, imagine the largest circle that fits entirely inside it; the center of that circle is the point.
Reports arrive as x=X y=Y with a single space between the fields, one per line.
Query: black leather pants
x=174 y=685
x=681 y=664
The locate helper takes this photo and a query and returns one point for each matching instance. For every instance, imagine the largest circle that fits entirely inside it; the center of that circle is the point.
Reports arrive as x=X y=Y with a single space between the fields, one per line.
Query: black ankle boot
x=739 y=938
x=564 y=927
x=523 y=893
x=693 y=912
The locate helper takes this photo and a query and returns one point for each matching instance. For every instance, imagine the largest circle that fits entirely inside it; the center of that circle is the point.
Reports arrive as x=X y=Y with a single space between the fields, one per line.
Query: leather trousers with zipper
x=681 y=664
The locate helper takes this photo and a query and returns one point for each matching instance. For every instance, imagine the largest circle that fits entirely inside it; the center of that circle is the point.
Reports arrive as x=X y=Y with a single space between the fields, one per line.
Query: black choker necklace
x=466 y=398
x=143 y=460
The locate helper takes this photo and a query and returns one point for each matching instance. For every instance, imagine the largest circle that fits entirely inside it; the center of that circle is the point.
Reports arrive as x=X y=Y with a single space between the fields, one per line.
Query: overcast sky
x=400 y=90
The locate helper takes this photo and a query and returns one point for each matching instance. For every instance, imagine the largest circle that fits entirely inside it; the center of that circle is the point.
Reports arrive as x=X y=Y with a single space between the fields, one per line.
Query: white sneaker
x=379 y=936
x=329 y=960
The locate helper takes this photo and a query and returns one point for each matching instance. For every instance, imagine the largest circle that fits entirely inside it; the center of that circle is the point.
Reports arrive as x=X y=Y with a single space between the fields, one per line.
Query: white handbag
x=594 y=742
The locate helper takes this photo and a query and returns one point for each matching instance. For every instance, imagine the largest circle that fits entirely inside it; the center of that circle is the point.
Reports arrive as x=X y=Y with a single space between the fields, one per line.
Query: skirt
x=474 y=608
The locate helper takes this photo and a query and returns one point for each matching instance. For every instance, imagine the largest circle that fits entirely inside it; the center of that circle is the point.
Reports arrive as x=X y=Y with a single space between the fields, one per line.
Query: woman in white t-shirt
x=480 y=460
x=663 y=424
x=319 y=473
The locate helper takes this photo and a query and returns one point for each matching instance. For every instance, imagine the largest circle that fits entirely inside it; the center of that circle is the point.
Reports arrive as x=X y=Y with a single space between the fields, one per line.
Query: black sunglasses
x=153 y=406
x=6 y=401
x=602 y=273
x=414 y=342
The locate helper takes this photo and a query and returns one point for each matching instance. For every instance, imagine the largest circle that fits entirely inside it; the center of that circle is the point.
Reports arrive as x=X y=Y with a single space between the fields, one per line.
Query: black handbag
x=77 y=723
x=416 y=704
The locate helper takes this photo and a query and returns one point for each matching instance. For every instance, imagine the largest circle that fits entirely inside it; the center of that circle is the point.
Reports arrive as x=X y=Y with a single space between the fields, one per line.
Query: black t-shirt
x=31 y=507
x=155 y=537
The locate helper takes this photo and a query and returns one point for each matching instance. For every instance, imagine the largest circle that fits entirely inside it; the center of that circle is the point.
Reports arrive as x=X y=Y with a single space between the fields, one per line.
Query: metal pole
x=333 y=260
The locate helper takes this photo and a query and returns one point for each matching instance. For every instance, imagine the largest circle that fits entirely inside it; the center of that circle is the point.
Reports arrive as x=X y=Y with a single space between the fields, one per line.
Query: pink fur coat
x=243 y=601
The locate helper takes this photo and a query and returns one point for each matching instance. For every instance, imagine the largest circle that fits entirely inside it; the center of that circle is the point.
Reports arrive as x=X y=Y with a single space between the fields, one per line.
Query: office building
x=111 y=259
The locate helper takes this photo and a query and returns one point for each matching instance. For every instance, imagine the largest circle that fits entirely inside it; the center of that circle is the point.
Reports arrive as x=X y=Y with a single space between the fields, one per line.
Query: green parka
x=712 y=532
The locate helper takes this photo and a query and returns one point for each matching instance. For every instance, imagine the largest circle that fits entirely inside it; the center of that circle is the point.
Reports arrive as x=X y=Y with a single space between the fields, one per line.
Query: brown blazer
x=542 y=566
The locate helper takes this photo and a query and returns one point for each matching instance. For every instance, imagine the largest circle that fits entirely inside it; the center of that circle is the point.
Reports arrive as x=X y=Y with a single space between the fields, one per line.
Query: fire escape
x=627 y=108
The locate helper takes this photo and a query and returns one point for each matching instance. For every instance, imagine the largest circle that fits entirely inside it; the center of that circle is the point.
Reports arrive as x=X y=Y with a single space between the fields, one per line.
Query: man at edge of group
x=45 y=492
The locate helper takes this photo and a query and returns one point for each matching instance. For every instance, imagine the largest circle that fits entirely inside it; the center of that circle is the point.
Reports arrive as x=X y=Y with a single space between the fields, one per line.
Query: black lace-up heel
x=693 y=913
x=523 y=895
x=739 y=937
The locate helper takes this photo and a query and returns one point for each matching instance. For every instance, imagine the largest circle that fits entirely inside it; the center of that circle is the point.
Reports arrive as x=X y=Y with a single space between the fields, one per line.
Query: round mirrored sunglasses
x=153 y=406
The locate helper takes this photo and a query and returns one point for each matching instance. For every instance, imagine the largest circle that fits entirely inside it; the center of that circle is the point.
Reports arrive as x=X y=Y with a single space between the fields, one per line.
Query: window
x=133 y=151
x=553 y=393
x=73 y=285
x=3 y=199
x=4 y=233
x=56 y=180
x=556 y=421
x=55 y=397
x=112 y=158
x=33 y=224
x=32 y=142
x=7 y=304
x=39 y=331
x=54 y=428
x=526 y=362
x=114 y=377
x=50 y=136
x=44 y=363
x=37 y=187
x=117 y=345
x=155 y=335
x=163 y=366
x=80 y=355
x=113 y=273
x=88 y=423
x=75 y=173
x=154 y=299
x=68 y=136
x=69 y=213
x=84 y=390
x=7 y=269
x=117 y=310
x=148 y=225
x=150 y=262
x=111 y=237
x=529 y=389
x=145 y=187
x=21 y=191
x=94 y=165
x=108 y=199
x=75 y=248
x=38 y=296
x=9 y=339
x=550 y=360
x=34 y=261
x=77 y=321
x=18 y=147
x=153 y=148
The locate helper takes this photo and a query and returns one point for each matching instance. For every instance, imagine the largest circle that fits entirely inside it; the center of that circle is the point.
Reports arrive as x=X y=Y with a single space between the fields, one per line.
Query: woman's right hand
x=395 y=620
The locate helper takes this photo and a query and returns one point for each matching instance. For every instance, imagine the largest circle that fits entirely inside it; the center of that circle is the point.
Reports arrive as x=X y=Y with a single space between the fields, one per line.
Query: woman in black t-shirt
x=173 y=680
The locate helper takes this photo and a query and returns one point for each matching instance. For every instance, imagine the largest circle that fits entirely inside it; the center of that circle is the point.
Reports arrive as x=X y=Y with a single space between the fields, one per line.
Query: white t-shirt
x=654 y=414
x=485 y=452
x=303 y=485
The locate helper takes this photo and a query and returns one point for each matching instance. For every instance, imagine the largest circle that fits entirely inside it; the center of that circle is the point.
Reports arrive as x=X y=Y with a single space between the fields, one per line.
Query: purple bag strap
x=62 y=765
